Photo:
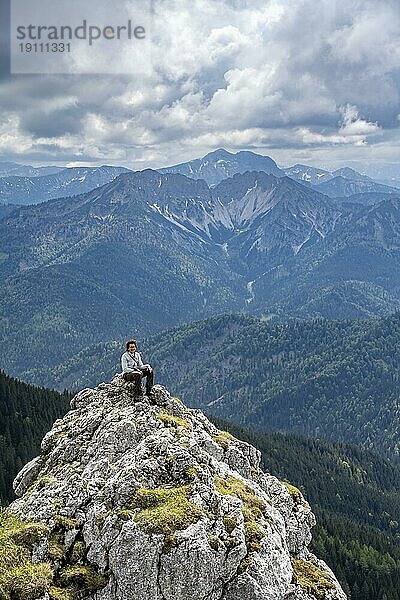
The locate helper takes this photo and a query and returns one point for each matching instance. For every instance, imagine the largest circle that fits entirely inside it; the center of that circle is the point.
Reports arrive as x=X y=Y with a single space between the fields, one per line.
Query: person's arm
x=139 y=360
x=124 y=363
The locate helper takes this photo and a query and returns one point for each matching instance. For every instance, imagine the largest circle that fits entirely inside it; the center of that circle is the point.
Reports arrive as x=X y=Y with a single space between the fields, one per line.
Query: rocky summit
x=137 y=498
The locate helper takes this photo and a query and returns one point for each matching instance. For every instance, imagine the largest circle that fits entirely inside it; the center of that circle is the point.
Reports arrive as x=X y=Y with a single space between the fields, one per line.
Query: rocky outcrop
x=148 y=500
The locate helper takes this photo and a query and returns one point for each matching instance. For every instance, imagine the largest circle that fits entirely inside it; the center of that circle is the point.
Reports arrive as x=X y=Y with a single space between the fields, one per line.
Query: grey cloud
x=241 y=74
x=58 y=123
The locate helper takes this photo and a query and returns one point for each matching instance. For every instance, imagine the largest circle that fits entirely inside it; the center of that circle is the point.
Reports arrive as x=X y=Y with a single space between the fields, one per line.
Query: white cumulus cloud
x=279 y=76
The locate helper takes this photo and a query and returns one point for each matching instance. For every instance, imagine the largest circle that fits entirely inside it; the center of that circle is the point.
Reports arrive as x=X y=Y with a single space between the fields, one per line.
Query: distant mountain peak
x=220 y=164
x=344 y=186
x=349 y=173
x=219 y=153
x=306 y=174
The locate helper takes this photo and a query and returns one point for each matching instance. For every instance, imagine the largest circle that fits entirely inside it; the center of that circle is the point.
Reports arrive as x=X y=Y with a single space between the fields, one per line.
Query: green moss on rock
x=172 y=420
x=255 y=473
x=56 y=550
x=235 y=487
x=294 y=492
x=56 y=593
x=253 y=534
x=165 y=510
x=311 y=578
x=78 y=551
x=28 y=581
x=28 y=533
x=214 y=542
x=191 y=473
x=230 y=523
x=223 y=439
x=82 y=577
x=230 y=542
x=65 y=523
x=20 y=578
x=253 y=508
x=245 y=564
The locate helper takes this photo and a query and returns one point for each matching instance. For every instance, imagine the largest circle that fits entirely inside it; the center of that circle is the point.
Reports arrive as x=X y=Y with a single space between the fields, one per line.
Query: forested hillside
x=27 y=412
x=356 y=498
x=338 y=380
x=332 y=379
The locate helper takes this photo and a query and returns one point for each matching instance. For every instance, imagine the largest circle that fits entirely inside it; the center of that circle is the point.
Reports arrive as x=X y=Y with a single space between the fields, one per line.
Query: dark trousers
x=136 y=378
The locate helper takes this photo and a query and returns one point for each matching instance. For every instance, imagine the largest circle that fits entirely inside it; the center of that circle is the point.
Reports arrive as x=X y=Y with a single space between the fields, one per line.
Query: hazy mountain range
x=23 y=184
x=9 y=169
x=22 y=190
x=220 y=164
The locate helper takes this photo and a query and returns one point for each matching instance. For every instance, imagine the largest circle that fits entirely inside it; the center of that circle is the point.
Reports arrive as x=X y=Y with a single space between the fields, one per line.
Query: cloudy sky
x=315 y=81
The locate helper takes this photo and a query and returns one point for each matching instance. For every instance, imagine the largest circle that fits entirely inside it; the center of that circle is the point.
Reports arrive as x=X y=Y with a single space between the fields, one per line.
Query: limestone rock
x=158 y=504
x=27 y=475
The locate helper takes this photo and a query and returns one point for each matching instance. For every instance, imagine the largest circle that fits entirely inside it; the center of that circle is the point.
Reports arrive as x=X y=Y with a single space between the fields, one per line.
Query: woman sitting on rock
x=133 y=368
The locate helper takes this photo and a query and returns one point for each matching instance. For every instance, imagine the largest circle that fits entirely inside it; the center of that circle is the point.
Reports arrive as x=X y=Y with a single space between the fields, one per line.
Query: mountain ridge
x=22 y=184
x=255 y=243
x=221 y=164
x=61 y=184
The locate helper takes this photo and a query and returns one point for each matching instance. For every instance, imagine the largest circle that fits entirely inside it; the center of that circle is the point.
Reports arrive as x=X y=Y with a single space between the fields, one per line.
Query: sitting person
x=133 y=368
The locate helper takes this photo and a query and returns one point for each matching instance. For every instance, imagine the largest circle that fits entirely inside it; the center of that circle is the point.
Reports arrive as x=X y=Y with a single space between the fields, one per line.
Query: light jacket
x=131 y=362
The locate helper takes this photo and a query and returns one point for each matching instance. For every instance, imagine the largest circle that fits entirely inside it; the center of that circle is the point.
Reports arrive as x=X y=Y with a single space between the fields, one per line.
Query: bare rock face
x=157 y=504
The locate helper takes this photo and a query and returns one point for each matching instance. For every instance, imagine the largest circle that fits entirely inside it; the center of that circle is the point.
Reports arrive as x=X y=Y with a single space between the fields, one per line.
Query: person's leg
x=127 y=376
x=147 y=372
x=136 y=379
